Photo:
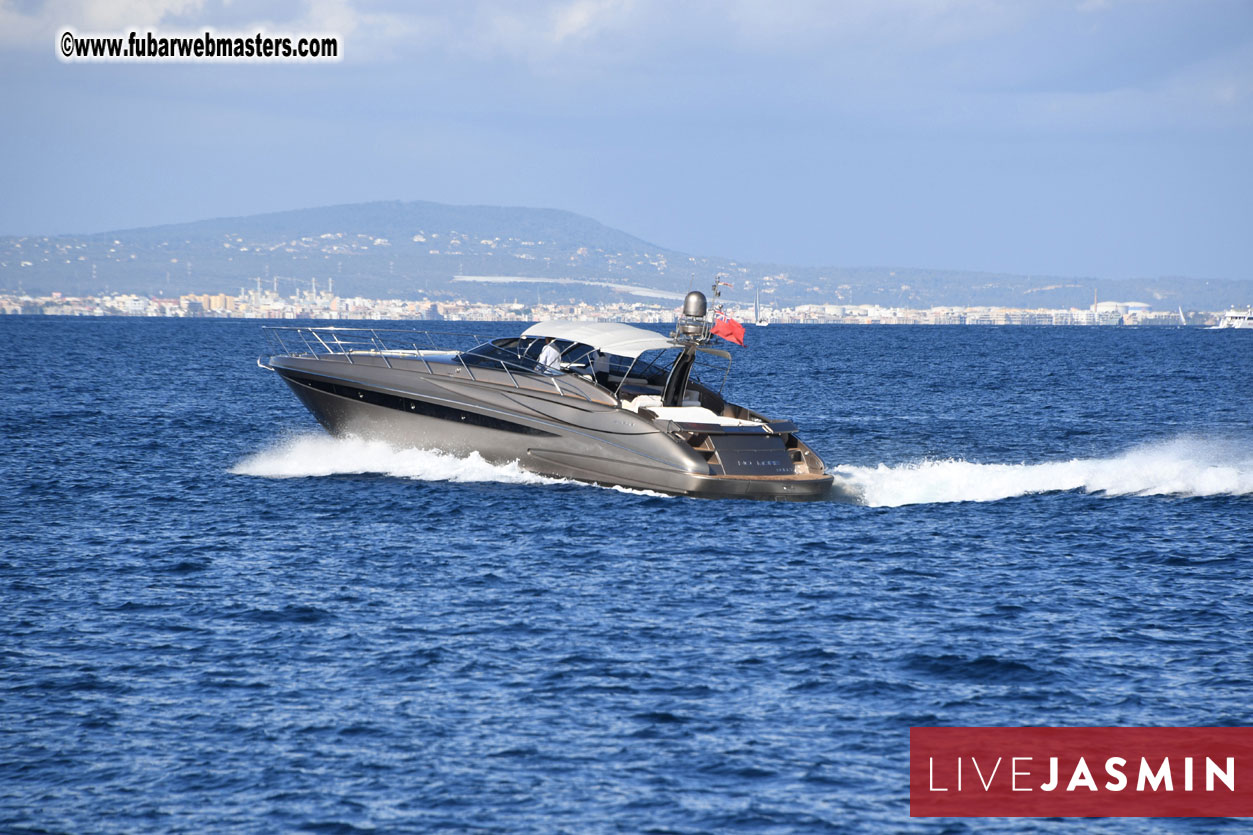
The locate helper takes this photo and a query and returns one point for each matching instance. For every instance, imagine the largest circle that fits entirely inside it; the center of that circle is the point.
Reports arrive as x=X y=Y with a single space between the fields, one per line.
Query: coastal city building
x=315 y=304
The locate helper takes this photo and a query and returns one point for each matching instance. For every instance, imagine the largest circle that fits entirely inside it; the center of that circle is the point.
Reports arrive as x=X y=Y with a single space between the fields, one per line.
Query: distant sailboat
x=1182 y=320
x=757 y=312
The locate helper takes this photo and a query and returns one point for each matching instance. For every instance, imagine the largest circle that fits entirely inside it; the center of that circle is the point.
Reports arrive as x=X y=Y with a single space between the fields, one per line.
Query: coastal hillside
x=417 y=250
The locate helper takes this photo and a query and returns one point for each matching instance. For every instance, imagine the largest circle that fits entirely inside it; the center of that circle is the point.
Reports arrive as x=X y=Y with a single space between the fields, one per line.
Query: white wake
x=308 y=456
x=1180 y=467
x=322 y=455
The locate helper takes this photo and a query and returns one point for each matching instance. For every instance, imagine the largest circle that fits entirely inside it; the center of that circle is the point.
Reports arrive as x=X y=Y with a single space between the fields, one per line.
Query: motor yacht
x=1236 y=319
x=611 y=404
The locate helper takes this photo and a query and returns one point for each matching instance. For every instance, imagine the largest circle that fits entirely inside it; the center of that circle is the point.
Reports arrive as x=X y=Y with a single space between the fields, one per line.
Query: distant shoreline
x=313 y=306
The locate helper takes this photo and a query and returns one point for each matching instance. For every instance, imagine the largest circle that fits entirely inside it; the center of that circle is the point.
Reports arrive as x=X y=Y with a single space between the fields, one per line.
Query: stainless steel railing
x=393 y=343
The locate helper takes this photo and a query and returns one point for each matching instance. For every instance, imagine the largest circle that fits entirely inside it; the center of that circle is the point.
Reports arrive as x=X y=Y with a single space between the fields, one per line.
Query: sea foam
x=1178 y=467
x=307 y=456
x=311 y=456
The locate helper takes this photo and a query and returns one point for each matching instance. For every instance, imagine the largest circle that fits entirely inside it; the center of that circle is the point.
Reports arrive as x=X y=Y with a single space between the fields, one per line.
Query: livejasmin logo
x=1081 y=777
x=1081 y=772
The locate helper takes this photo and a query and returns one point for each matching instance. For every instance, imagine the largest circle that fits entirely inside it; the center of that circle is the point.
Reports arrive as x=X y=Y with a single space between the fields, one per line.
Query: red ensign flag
x=727 y=328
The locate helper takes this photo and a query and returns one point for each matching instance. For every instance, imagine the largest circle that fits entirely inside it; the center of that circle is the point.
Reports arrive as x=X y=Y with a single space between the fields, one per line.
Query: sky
x=1107 y=138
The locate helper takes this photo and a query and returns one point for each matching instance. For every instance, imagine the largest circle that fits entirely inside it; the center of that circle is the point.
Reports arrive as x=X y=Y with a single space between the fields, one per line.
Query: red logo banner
x=1080 y=772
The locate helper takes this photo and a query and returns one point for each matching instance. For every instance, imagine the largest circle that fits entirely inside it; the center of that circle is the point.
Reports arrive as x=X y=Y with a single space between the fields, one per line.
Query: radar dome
x=694 y=305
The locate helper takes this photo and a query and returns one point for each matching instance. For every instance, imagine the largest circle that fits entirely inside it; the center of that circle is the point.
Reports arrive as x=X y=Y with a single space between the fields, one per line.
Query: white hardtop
x=611 y=337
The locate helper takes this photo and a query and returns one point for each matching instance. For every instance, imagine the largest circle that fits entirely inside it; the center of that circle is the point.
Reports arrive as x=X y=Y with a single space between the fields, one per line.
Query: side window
x=576 y=353
x=533 y=350
x=530 y=348
x=493 y=354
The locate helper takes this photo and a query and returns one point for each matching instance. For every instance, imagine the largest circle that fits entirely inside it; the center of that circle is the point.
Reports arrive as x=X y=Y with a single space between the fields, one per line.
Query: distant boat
x=1241 y=319
x=757 y=312
x=1182 y=320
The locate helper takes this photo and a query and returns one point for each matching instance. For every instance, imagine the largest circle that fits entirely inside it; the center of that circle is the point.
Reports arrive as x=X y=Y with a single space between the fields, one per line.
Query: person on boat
x=550 y=357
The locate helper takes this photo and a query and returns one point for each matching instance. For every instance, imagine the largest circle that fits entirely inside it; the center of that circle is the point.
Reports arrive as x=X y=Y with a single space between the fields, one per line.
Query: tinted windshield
x=521 y=353
x=654 y=367
x=513 y=352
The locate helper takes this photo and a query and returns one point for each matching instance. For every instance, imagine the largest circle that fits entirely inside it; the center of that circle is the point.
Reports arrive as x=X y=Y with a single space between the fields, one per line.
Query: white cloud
x=37 y=27
x=585 y=18
x=1023 y=64
x=548 y=30
x=366 y=31
x=910 y=22
x=119 y=14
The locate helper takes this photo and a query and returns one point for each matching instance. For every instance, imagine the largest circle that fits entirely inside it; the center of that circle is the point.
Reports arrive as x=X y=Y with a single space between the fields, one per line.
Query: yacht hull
x=551 y=432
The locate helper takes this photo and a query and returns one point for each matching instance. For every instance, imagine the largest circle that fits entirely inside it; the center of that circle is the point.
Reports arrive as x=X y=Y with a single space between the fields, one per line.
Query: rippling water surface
x=216 y=618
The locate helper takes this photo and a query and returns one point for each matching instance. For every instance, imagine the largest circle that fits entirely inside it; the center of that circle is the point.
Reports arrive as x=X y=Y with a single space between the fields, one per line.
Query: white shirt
x=550 y=357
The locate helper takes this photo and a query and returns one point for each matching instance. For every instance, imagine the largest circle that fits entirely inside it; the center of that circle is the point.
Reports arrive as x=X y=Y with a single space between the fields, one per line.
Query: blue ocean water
x=216 y=618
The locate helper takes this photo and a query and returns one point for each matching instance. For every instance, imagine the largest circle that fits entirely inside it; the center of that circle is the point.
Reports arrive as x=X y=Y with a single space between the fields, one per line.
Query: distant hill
x=416 y=249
